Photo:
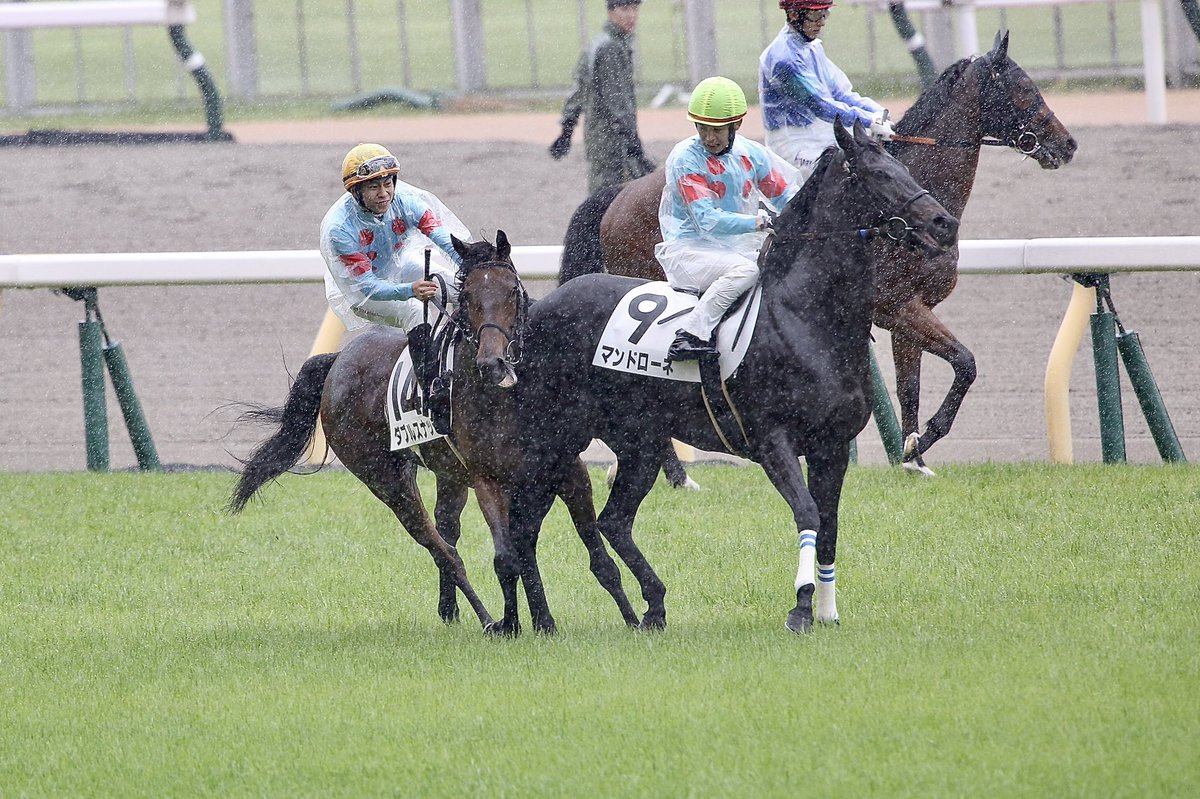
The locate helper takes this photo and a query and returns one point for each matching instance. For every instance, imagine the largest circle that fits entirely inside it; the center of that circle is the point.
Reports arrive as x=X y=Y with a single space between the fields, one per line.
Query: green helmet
x=717 y=101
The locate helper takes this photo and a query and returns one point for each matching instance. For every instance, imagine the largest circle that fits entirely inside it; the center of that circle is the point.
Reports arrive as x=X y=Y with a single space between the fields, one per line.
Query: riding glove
x=881 y=127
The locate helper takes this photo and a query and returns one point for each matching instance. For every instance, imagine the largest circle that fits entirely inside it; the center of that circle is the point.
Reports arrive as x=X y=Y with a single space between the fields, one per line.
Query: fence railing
x=289 y=49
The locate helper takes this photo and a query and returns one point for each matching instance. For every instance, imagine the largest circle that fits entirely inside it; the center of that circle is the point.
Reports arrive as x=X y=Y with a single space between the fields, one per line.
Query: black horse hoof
x=653 y=623
x=799 y=622
x=503 y=628
x=449 y=615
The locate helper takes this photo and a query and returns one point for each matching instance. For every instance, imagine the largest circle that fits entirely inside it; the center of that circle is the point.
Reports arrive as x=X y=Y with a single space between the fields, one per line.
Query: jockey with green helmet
x=803 y=93
x=712 y=228
x=373 y=239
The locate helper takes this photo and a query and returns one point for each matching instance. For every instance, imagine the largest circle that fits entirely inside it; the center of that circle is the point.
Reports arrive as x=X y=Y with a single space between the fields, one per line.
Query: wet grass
x=1014 y=630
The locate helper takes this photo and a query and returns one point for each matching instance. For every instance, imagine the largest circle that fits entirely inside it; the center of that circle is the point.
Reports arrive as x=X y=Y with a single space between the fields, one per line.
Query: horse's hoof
x=688 y=485
x=545 y=627
x=449 y=615
x=799 y=622
x=502 y=629
x=917 y=467
x=834 y=622
x=653 y=623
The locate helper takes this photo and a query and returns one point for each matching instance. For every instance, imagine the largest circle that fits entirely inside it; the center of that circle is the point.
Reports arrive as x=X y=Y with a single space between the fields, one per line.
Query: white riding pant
x=802 y=147
x=722 y=275
x=406 y=314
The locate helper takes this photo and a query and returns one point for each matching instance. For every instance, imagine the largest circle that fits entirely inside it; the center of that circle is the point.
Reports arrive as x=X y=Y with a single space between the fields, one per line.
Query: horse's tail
x=581 y=246
x=296 y=421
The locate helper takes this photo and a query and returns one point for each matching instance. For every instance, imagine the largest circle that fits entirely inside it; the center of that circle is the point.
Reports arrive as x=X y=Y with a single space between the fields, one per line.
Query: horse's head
x=1014 y=111
x=904 y=210
x=492 y=307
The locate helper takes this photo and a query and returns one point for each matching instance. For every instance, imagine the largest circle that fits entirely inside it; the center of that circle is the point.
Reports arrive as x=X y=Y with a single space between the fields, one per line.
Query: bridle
x=891 y=224
x=1018 y=124
x=515 y=336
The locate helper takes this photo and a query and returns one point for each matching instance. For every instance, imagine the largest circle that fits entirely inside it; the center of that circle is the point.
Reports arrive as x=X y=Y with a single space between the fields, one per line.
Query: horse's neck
x=948 y=173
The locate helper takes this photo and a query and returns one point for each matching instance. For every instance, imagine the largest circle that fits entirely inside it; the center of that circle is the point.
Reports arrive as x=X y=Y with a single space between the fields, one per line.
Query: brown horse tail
x=296 y=420
x=581 y=246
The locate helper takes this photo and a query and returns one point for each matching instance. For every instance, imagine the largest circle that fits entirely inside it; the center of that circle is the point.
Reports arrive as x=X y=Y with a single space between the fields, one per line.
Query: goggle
x=816 y=16
x=376 y=165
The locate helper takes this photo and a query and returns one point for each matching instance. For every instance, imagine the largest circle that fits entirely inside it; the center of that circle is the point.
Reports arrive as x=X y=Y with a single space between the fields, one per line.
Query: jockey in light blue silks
x=711 y=225
x=373 y=240
x=803 y=92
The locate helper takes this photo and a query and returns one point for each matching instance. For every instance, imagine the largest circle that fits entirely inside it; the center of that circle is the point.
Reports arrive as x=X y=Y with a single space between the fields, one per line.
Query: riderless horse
x=985 y=100
x=350 y=391
x=802 y=389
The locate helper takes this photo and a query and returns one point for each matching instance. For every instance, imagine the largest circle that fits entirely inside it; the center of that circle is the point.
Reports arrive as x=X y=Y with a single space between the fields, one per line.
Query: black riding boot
x=689 y=347
x=420 y=347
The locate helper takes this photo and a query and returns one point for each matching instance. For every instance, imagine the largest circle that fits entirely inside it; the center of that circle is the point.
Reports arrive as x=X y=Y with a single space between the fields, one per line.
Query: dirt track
x=193 y=349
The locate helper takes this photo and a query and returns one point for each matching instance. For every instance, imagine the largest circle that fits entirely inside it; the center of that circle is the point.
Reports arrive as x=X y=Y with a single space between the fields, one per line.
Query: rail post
x=1149 y=397
x=131 y=408
x=1108 y=375
x=885 y=415
x=91 y=364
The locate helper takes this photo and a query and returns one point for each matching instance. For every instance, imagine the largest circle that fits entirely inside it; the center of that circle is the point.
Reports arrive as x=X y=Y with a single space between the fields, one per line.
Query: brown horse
x=988 y=99
x=349 y=390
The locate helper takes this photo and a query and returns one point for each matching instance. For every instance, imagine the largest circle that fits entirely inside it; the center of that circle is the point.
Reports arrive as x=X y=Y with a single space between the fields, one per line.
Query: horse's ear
x=459 y=246
x=503 y=249
x=861 y=137
x=1000 y=46
x=843 y=137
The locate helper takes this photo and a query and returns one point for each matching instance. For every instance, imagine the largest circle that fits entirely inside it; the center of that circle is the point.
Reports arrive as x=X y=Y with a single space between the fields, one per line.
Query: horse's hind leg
x=672 y=467
x=396 y=487
x=451 y=499
x=639 y=468
x=576 y=493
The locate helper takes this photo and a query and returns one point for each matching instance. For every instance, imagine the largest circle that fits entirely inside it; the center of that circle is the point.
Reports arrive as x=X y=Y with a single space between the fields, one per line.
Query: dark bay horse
x=803 y=387
x=976 y=101
x=349 y=391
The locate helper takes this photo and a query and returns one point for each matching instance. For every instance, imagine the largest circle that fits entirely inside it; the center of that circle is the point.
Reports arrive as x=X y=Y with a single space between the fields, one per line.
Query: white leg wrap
x=808 y=558
x=826 y=595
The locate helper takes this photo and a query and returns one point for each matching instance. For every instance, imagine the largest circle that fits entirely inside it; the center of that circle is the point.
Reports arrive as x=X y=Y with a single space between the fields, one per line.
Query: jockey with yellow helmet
x=803 y=93
x=373 y=239
x=712 y=228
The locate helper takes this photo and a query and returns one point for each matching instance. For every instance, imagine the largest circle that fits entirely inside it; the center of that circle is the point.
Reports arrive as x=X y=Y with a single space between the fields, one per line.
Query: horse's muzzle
x=496 y=372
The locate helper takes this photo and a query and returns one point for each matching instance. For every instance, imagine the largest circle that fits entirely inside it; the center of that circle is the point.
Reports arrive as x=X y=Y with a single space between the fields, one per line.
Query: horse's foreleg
x=494 y=505
x=826 y=475
x=919 y=327
x=451 y=499
x=400 y=493
x=639 y=468
x=782 y=465
x=531 y=501
x=576 y=493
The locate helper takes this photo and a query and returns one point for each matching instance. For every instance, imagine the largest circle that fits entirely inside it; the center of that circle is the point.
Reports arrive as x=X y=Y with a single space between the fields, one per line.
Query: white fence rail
x=979 y=257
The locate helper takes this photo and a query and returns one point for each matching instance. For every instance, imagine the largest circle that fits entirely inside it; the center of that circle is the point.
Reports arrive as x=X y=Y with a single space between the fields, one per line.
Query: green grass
x=1007 y=631
x=162 y=93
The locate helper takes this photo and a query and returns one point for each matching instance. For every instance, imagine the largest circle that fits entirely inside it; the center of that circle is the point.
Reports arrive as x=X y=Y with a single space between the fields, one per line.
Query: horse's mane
x=799 y=209
x=933 y=101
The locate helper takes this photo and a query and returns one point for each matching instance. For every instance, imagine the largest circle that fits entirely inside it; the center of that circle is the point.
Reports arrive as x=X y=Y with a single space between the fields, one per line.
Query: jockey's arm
x=700 y=203
x=799 y=83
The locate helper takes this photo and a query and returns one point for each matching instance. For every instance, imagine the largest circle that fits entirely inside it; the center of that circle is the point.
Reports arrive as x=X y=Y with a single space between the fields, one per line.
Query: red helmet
x=805 y=5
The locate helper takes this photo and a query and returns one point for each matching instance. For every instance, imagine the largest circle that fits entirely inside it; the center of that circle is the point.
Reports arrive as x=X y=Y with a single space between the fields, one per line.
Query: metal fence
x=284 y=50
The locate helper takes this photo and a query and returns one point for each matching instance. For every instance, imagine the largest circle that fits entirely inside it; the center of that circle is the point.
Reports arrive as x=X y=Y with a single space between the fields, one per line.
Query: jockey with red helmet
x=373 y=238
x=803 y=93
x=711 y=226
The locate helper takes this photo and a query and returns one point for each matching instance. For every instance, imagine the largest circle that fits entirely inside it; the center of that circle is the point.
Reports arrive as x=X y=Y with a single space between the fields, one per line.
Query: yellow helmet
x=717 y=101
x=367 y=161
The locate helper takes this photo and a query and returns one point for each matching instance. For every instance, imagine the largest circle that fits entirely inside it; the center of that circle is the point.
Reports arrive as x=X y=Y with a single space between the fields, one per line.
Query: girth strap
x=724 y=416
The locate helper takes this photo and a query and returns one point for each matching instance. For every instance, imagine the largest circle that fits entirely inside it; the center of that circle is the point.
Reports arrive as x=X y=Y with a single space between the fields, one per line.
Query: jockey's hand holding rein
x=881 y=126
x=424 y=290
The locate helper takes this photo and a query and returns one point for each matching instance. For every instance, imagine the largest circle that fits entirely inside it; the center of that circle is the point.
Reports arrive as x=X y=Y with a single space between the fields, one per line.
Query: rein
x=895 y=226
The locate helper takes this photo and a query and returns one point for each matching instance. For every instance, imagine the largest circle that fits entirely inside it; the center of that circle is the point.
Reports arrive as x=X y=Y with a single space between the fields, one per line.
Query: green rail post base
x=1108 y=387
x=131 y=408
x=95 y=407
x=1149 y=397
x=885 y=415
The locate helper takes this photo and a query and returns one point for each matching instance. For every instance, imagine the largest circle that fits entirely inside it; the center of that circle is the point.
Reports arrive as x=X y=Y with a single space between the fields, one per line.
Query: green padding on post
x=95 y=410
x=131 y=409
x=1138 y=369
x=885 y=415
x=1108 y=388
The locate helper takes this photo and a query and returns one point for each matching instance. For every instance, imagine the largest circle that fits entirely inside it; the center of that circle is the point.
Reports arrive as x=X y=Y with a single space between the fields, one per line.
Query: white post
x=701 y=36
x=968 y=31
x=1153 y=63
x=467 y=23
x=241 y=48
